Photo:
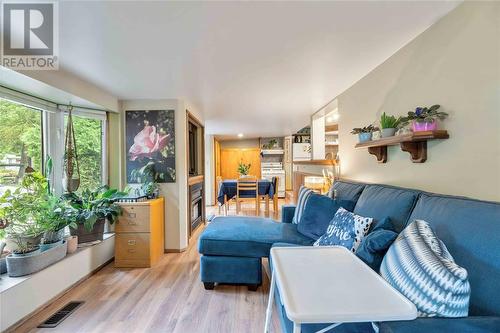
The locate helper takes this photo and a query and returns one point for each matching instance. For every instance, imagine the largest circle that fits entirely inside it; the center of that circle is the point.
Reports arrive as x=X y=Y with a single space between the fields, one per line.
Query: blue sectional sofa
x=232 y=248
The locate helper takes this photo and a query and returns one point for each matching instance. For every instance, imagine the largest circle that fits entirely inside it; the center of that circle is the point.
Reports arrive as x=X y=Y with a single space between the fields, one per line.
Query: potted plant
x=91 y=210
x=57 y=215
x=389 y=124
x=243 y=169
x=364 y=133
x=147 y=177
x=424 y=119
x=22 y=210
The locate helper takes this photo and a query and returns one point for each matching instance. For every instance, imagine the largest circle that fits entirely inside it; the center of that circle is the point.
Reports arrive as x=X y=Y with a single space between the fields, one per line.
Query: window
x=89 y=136
x=21 y=142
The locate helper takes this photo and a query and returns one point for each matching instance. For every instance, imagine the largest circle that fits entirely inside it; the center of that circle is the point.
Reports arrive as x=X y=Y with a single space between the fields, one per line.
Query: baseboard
x=175 y=250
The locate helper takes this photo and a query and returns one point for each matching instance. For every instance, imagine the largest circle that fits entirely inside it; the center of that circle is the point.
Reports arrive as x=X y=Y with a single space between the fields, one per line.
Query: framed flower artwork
x=150 y=145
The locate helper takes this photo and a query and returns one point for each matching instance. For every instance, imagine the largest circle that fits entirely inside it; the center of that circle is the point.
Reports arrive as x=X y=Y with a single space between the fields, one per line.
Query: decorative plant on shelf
x=424 y=119
x=364 y=133
x=389 y=124
x=243 y=168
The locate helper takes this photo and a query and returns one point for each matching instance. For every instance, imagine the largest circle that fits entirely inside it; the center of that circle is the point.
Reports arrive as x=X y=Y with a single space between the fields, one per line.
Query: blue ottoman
x=232 y=248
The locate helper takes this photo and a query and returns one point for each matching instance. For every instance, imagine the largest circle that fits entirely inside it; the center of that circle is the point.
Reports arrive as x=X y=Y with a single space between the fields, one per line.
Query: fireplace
x=197 y=206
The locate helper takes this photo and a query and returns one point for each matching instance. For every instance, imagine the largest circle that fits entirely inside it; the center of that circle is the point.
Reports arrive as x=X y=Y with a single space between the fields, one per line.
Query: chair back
x=247 y=187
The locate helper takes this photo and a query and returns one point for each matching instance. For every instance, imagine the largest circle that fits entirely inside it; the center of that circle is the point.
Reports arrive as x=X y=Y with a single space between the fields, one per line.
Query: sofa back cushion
x=470 y=229
x=318 y=212
x=346 y=190
x=381 y=201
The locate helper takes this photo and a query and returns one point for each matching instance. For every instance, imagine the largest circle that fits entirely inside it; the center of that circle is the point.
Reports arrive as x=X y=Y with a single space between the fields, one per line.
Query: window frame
x=53 y=130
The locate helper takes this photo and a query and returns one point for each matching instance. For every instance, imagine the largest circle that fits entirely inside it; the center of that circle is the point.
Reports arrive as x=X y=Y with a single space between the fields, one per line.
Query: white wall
x=455 y=63
x=176 y=232
x=243 y=143
x=19 y=297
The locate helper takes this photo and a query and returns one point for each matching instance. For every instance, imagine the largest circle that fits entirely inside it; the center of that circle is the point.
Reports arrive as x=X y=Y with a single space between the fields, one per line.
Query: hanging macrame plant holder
x=71 y=177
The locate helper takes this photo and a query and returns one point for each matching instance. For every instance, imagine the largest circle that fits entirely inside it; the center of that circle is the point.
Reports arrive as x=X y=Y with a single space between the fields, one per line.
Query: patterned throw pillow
x=420 y=267
x=304 y=194
x=346 y=229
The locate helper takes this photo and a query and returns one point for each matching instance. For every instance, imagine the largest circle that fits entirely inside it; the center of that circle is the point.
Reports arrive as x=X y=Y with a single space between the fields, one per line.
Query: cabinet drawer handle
x=132 y=215
x=131 y=223
x=131 y=242
x=131 y=250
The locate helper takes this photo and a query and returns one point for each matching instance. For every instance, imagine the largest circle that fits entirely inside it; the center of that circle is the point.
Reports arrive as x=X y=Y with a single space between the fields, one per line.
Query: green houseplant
x=389 y=124
x=424 y=119
x=243 y=168
x=147 y=176
x=23 y=211
x=364 y=133
x=91 y=210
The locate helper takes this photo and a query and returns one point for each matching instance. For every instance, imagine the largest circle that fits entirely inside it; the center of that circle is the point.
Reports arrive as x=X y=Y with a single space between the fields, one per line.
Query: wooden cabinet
x=139 y=234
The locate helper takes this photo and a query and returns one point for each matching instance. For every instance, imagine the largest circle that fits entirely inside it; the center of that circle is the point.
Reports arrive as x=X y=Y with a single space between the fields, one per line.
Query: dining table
x=228 y=189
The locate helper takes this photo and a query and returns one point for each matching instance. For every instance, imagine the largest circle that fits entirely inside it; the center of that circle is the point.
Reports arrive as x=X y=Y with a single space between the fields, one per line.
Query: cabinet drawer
x=132 y=246
x=133 y=219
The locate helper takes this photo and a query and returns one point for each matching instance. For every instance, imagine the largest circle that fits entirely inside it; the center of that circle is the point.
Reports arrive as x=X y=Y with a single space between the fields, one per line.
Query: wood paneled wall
x=231 y=157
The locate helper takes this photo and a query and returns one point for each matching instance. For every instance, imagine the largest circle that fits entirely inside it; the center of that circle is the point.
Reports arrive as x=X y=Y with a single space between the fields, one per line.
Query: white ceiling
x=258 y=68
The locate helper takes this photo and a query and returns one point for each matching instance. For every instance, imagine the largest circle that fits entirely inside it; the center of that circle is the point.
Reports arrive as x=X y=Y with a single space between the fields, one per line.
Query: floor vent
x=60 y=315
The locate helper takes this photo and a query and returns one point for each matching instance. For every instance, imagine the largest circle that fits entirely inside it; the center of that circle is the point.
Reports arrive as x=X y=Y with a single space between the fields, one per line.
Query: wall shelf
x=414 y=143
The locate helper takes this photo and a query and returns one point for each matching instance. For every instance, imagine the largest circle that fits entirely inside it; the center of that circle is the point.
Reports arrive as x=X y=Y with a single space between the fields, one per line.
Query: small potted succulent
x=424 y=119
x=364 y=133
x=389 y=125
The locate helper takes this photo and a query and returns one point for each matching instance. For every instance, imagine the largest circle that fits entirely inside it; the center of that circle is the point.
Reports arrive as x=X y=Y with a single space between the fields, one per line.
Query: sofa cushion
x=380 y=201
x=347 y=190
x=470 y=230
x=420 y=267
x=303 y=196
x=244 y=236
x=443 y=325
x=374 y=246
x=318 y=213
x=346 y=229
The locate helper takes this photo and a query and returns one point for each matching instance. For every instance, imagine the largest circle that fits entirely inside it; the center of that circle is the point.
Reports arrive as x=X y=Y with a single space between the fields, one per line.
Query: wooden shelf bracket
x=380 y=152
x=417 y=150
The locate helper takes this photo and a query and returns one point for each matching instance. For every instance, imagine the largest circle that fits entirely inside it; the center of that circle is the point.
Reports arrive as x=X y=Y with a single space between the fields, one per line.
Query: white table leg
x=270 y=302
x=296 y=328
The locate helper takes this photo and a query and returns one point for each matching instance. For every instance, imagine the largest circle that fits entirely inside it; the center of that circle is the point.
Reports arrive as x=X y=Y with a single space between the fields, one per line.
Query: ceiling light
x=240 y=135
x=329 y=119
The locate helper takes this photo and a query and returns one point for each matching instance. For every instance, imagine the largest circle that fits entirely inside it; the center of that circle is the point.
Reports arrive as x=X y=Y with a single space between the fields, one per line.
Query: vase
x=363 y=137
x=424 y=126
x=386 y=132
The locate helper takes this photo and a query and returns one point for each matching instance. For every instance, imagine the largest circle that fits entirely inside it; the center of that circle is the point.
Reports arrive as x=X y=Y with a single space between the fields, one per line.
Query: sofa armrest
x=287 y=212
x=474 y=324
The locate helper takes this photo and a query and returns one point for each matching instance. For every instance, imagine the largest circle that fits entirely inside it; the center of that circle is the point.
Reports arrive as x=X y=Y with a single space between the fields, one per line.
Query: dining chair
x=218 y=181
x=247 y=189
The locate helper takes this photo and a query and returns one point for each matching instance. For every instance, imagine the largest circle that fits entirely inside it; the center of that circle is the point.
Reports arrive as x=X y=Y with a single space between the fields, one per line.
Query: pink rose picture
x=150 y=139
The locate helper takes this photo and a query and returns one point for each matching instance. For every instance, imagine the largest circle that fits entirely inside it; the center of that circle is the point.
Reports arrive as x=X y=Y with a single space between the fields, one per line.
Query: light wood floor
x=166 y=298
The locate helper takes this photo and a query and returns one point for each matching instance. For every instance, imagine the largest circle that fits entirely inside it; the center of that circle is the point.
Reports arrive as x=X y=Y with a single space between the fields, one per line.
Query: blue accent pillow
x=346 y=229
x=318 y=212
x=374 y=246
x=303 y=196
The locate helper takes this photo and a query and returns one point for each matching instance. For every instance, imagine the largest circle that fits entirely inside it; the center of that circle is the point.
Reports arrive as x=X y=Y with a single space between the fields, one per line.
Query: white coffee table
x=331 y=285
